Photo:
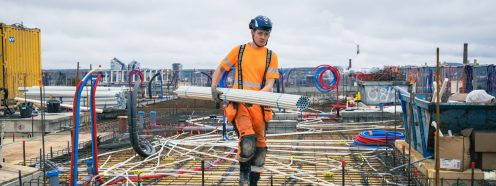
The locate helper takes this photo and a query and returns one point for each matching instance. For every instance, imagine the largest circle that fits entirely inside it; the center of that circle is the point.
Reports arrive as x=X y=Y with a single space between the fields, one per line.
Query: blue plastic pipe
x=76 y=129
x=316 y=82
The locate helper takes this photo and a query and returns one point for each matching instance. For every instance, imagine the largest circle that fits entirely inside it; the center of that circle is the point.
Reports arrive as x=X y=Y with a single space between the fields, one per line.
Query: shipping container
x=20 y=58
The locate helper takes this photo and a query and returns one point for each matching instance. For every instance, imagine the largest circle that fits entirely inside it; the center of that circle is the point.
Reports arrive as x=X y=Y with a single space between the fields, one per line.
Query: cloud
x=306 y=33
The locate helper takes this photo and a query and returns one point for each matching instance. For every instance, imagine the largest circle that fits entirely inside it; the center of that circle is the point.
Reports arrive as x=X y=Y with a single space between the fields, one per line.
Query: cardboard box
x=426 y=167
x=452 y=178
x=484 y=141
x=454 y=153
x=488 y=161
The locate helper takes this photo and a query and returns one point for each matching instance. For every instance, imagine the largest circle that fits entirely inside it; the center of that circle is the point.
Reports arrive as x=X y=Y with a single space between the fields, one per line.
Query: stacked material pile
x=106 y=97
x=276 y=100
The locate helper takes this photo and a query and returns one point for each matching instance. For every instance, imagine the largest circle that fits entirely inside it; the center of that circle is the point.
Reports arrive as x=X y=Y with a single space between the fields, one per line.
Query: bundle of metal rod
x=276 y=100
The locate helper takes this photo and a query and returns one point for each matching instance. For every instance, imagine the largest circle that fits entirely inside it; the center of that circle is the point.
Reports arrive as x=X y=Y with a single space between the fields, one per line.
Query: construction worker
x=256 y=69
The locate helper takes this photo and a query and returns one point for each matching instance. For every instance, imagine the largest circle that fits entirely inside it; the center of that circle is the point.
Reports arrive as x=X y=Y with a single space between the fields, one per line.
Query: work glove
x=216 y=94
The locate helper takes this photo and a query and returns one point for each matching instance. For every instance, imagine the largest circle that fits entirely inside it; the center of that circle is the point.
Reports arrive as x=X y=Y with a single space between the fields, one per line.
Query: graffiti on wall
x=375 y=95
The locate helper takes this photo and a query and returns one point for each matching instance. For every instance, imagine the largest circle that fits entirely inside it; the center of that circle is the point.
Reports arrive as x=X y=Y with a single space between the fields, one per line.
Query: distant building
x=133 y=65
x=453 y=64
x=177 y=69
x=116 y=64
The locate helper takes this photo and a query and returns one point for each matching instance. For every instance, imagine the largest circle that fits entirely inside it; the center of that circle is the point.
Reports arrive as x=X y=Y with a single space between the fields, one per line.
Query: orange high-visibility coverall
x=249 y=119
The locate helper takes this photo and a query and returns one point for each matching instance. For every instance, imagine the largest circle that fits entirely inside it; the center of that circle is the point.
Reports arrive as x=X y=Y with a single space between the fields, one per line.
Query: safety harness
x=240 y=80
x=240 y=71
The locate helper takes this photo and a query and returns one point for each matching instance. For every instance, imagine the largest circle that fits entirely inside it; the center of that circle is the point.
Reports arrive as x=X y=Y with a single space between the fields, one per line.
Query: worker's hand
x=216 y=94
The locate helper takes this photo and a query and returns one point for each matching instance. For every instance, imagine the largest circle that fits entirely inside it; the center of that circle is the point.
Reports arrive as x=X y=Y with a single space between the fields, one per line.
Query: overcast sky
x=199 y=34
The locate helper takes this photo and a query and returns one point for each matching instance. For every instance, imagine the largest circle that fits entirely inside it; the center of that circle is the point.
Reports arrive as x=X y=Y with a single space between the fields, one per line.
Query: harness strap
x=267 y=64
x=240 y=72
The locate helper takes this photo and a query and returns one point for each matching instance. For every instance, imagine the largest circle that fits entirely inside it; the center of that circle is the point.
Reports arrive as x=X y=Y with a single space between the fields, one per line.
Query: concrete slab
x=12 y=152
x=9 y=174
x=281 y=126
x=365 y=115
x=53 y=122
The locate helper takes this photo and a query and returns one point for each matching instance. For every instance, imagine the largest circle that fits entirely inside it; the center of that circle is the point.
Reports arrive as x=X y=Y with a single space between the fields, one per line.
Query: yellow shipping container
x=20 y=58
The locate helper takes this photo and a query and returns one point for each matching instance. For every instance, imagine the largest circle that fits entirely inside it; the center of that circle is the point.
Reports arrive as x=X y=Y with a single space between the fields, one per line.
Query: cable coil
x=377 y=137
x=223 y=82
x=318 y=78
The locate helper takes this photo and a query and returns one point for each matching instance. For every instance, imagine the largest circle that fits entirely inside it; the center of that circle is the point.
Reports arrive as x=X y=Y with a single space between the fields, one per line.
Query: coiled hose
x=150 y=85
x=377 y=137
x=142 y=147
x=318 y=78
x=225 y=76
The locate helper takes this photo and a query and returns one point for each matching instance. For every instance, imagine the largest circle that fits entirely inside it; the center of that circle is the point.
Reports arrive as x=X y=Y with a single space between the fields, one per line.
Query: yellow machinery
x=20 y=60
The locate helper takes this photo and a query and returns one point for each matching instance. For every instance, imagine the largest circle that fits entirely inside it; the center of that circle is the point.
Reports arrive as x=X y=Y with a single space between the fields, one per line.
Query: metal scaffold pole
x=42 y=160
x=410 y=125
x=438 y=122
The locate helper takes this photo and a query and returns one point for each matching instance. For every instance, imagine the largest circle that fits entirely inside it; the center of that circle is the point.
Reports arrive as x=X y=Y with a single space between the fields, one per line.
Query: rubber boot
x=254 y=177
x=244 y=173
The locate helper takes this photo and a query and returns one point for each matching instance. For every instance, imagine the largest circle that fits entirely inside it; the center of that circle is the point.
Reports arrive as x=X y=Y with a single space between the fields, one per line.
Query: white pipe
x=276 y=100
x=85 y=101
x=55 y=93
x=62 y=105
x=71 y=88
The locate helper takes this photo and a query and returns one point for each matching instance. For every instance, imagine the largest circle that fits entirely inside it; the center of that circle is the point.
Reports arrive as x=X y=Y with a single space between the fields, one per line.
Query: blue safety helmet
x=261 y=22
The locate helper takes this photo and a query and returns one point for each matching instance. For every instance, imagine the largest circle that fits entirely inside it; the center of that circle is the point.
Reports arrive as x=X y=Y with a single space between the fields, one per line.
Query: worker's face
x=260 y=37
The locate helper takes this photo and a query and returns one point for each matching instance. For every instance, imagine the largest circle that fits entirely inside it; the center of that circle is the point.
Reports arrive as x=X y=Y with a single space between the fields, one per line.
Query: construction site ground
x=293 y=159
x=13 y=153
x=307 y=152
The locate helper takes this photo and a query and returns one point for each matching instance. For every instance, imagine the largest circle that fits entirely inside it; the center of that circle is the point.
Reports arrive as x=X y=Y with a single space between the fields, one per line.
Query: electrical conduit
x=318 y=79
x=143 y=148
x=75 y=128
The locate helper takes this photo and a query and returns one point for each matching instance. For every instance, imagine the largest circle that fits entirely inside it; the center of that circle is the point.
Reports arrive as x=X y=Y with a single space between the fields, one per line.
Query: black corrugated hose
x=142 y=147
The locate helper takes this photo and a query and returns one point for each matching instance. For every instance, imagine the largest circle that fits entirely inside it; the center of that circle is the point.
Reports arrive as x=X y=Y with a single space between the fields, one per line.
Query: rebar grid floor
x=309 y=157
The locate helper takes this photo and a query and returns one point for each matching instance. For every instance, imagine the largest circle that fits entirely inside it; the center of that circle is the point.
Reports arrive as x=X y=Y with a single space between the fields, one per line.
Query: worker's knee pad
x=247 y=147
x=259 y=160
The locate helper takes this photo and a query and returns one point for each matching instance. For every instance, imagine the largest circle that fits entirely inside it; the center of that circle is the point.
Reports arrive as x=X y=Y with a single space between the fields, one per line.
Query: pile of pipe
x=106 y=97
x=275 y=100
